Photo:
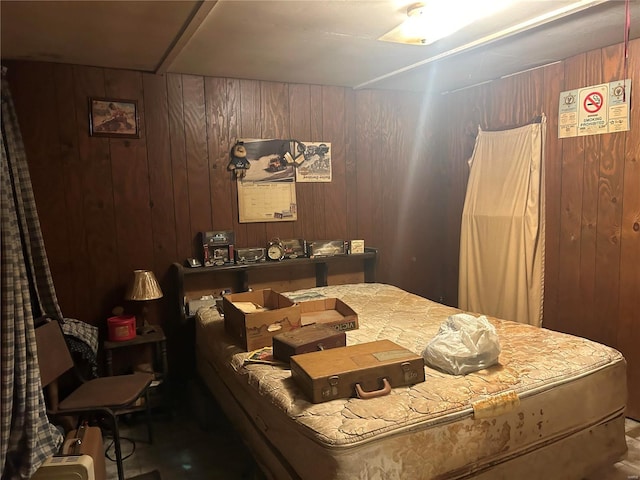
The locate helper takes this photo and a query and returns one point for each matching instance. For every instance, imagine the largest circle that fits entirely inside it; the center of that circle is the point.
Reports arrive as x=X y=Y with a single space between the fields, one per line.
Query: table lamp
x=143 y=287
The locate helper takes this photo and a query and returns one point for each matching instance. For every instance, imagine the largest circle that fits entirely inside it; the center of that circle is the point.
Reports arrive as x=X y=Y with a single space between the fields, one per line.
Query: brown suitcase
x=312 y=338
x=365 y=370
x=87 y=441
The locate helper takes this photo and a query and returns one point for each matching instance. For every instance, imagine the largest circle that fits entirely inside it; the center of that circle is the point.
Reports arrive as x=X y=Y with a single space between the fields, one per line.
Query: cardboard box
x=365 y=370
x=253 y=318
x=329 y=311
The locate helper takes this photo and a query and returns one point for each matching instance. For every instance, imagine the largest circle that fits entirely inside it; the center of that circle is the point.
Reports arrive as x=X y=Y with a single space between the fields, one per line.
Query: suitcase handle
x=385 y=390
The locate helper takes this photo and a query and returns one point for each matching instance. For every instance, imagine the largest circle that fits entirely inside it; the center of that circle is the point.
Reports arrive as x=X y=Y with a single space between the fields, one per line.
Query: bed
x=553 y=408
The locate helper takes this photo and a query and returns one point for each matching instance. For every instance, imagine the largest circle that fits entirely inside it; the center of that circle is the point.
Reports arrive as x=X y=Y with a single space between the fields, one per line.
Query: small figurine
x=239 y=163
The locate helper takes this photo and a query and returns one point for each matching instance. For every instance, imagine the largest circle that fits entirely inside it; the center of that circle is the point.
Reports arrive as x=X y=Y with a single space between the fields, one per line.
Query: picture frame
x=110 y=117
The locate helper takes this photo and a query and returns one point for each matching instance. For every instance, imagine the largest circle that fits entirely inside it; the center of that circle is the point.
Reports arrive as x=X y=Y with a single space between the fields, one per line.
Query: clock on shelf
x=275 y=250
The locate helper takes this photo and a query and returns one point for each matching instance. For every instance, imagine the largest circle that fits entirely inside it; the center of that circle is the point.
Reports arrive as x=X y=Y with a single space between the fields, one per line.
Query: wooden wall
x=592 y=265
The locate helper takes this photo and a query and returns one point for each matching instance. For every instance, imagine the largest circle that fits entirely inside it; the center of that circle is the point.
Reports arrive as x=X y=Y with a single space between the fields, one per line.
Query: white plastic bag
x=463 y=344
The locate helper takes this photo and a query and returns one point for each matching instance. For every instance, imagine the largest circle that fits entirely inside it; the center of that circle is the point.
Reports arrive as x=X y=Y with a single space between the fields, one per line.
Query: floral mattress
x=552 y=406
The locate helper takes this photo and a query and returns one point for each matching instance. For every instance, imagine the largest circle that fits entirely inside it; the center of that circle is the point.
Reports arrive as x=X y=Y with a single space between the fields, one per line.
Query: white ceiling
x=328 y=42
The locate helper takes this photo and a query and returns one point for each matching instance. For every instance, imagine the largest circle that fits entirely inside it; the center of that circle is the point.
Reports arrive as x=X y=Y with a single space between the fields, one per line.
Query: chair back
x=54 y=358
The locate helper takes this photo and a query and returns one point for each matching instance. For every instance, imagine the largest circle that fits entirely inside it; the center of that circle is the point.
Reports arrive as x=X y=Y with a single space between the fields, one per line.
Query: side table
x=152 y=335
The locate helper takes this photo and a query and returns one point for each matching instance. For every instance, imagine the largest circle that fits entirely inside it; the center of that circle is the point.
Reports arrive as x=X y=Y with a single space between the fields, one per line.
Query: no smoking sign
x=594 y=110
x=593 y=102
x=592 y=113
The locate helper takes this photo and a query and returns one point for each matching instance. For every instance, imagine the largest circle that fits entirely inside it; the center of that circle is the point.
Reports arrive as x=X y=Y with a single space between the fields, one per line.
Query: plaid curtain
x=27 y=292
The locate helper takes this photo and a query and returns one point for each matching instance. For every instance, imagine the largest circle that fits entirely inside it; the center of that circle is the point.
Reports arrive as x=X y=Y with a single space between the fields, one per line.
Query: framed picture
x=113 y=118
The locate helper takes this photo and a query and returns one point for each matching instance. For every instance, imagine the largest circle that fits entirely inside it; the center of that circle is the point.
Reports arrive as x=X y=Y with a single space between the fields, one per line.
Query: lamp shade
x=143 y=286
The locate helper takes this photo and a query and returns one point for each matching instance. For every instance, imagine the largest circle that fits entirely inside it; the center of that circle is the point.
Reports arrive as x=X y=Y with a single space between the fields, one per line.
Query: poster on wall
x=267 y=193
x=314 y=162
x=594 y=110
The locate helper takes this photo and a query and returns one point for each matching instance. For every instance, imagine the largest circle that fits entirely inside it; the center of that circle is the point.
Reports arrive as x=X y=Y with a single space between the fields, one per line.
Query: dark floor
x=190 y=441
x=193 y=440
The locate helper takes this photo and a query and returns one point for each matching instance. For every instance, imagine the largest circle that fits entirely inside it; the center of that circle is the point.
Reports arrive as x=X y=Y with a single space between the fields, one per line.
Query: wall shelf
x=288 y=274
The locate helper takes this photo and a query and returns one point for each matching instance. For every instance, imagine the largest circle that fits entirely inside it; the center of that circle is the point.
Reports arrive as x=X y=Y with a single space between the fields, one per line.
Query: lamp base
x=143 y=326
x=145 y=329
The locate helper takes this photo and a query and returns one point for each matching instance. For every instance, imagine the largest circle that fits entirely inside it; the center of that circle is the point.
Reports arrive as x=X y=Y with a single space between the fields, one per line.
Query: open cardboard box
x=329 y=311
x=256 y=330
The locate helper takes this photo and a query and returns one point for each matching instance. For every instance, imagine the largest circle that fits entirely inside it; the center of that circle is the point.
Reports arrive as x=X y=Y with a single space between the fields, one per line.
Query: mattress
x=553 y=407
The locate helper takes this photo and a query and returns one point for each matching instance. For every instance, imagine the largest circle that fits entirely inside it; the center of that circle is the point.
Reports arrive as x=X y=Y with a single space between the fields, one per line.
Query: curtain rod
x=537 y=119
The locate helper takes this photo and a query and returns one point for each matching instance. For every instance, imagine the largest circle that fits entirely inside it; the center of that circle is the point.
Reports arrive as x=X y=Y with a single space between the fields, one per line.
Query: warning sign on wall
x=594 y=110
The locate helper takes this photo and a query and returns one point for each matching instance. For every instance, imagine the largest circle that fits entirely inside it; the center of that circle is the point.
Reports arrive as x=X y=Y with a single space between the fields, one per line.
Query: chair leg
x=116 y=442
x=146 y=400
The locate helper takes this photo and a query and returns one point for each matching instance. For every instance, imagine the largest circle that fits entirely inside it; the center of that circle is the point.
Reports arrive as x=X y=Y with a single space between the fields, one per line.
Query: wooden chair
x=112 y=396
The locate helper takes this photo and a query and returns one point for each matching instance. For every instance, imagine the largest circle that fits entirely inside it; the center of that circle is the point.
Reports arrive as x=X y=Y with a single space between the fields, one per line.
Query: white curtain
x=502 y=236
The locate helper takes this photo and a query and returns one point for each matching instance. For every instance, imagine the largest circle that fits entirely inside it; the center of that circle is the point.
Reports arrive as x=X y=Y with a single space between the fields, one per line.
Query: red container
x=122 y=327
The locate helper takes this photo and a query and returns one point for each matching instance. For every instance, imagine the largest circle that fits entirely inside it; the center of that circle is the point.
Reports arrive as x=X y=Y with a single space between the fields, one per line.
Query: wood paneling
x=163 y=215
x=195 y=135
x=385 y=182
x=351 y=165
x=609 y=215
x=364 y=151
x=400 y=173
x=572 y=162
x=217 y=118
x=628 y=334
x=553 y=84
x=589 y=217
x=179 y=178
x=73 y=269
x=300 y=129
x=335 y=193
x=316 y=115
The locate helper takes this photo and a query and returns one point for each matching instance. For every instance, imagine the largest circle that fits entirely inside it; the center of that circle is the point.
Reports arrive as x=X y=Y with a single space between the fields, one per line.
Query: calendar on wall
x=266 y=201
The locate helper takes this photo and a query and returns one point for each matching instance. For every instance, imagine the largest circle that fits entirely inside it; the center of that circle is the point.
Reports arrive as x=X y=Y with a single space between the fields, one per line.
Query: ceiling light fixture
x=435 y=19
x=415 y=9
